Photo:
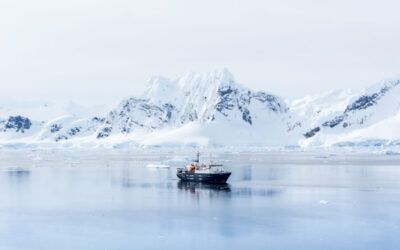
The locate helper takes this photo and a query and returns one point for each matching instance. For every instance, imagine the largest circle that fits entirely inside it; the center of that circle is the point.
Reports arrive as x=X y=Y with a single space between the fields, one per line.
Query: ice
x=203 y=110
x=177 y=159
x=157 y=166
x=111 y=199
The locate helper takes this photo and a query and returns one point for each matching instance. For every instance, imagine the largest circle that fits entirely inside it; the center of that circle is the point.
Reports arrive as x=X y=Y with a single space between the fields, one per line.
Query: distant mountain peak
x=224 y=76
x=213 y=108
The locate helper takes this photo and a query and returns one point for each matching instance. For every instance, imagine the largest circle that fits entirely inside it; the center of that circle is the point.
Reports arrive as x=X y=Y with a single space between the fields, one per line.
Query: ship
x=207 y=173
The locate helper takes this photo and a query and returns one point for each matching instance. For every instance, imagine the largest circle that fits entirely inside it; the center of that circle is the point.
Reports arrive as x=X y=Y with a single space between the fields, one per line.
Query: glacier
x=212 y=110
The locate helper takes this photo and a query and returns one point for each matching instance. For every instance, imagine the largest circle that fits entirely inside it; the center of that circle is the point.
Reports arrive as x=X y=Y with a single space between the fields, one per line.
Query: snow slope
x=378 y=104
x=212 y=110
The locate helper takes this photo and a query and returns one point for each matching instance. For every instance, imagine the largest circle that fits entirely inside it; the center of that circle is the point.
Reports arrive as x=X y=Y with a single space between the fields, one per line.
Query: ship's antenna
x=198 y=157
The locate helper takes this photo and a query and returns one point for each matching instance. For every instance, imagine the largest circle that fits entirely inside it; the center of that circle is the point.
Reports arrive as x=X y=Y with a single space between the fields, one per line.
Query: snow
x=385 y=130
x=45 y=111
x=157 y=166
x=160 y=90
x=213 y=110
x=315 y=109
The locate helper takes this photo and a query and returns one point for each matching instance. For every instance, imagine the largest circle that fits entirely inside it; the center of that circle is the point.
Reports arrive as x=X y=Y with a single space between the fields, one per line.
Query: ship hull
x=206 y=178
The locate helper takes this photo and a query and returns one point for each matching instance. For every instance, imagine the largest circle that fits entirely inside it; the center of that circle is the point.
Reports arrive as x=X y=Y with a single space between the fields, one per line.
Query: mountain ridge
x=219 y=112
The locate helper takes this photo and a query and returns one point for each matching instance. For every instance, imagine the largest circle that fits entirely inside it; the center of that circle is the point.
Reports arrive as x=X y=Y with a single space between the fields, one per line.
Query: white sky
x=94 y=51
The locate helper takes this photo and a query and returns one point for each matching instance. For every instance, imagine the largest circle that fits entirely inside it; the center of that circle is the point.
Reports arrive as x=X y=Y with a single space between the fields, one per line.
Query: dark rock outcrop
x=18 y=123
x=312 y=132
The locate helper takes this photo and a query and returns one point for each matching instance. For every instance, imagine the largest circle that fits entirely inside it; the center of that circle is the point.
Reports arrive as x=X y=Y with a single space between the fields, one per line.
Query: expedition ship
x=211 y=173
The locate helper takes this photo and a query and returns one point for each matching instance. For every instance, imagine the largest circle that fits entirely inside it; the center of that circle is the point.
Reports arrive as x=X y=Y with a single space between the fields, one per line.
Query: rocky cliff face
x=220 y=108
x=16 y=123
x=201 y=98
x=375 y=104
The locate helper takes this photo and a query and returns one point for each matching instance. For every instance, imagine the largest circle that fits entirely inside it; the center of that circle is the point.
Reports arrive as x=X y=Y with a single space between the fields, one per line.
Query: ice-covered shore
x=212 y=110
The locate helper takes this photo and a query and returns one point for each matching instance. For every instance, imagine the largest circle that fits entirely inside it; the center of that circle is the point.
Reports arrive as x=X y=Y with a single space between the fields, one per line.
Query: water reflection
x=128 y=183
x=18 y=175
x=280 y=206
x=199 y=190
x=193 y=186
x=249 y=192
x=247 y=173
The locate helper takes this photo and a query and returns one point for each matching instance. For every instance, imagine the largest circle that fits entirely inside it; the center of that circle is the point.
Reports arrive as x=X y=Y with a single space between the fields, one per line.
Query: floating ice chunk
x=324 y=202
x=157 y=166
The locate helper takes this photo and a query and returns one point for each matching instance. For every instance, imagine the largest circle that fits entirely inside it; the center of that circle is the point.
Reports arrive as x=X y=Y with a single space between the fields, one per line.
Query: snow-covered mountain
x=378 y=104
x=217 y=109
x=212 y=109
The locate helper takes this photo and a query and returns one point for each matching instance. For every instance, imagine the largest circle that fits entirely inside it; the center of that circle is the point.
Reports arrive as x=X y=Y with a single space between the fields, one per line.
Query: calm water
x=115 y=200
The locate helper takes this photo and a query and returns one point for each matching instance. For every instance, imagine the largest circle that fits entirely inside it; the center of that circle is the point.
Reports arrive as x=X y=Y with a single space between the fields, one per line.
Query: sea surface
x=99 y=199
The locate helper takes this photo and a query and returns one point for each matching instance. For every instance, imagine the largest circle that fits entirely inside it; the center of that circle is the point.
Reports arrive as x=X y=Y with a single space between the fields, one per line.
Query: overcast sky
x=94 y=51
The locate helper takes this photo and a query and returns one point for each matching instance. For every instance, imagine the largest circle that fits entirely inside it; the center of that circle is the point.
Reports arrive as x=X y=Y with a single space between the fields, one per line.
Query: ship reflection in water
x=197 y=186
x=120 y=203
x=17 y=175
x=226 y=190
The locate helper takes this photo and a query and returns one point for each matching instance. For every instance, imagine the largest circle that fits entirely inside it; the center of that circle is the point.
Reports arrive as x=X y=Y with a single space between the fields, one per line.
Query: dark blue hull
x=207 y=178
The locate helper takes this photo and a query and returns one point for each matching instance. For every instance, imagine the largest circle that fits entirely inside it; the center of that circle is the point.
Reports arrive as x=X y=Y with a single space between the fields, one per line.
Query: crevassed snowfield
x=110 y=199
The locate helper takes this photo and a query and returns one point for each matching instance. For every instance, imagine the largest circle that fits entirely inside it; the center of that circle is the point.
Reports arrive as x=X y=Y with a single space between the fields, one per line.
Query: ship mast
x=198 y=157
